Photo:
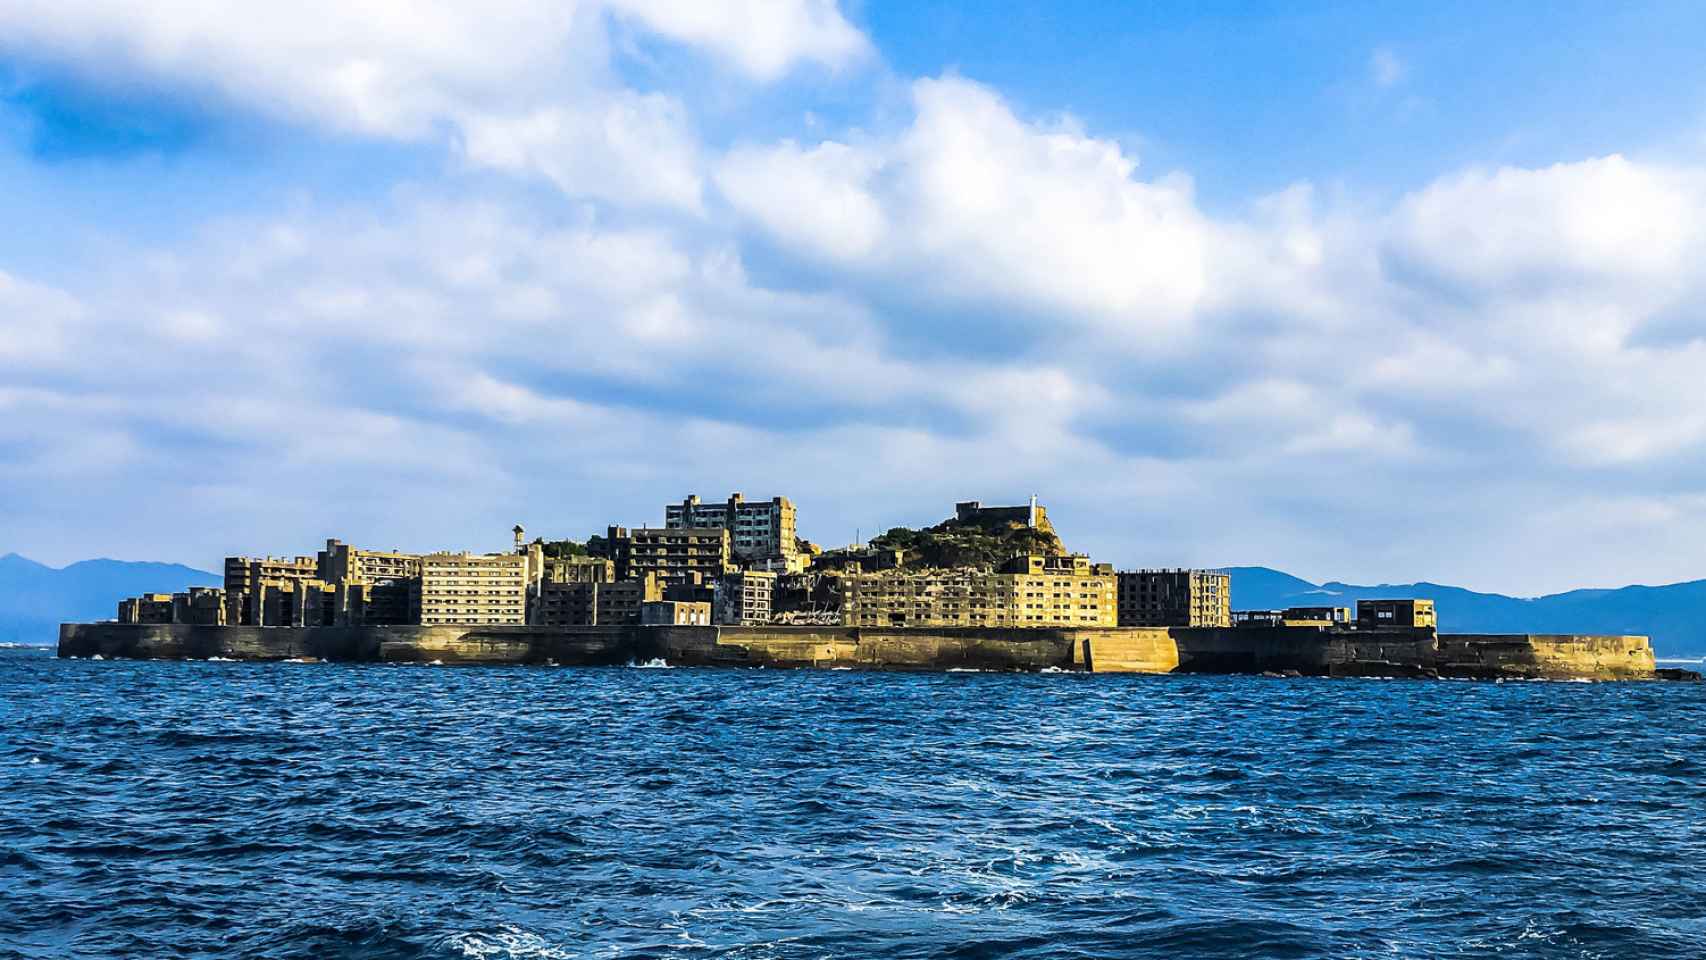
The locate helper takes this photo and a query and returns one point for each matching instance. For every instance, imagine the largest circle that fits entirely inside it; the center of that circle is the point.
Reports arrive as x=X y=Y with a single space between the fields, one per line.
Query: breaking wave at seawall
x=364 y=811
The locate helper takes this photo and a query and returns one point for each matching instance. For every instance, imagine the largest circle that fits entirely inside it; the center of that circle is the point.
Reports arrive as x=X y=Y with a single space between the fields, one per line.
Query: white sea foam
x=435 y=663
x=506 y=942
x=655 y=663
x=97 y=657
x=221 y=660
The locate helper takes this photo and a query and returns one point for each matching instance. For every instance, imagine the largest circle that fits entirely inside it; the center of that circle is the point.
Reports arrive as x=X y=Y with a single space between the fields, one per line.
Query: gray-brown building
x=620 y=602
x=757 y=528
x=1373 y=614
x=671 y=553
x=587 y=603
x=744 y=599
x=565 y=603
x=244 y=576
x=148 y=608
x=1175 y=598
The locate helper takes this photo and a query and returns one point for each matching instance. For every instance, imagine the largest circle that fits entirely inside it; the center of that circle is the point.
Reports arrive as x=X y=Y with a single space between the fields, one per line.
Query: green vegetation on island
x=987 y=539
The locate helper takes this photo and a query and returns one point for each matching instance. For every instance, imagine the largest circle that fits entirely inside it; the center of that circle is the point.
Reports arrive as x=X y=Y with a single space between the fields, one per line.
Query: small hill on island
x=983 y=537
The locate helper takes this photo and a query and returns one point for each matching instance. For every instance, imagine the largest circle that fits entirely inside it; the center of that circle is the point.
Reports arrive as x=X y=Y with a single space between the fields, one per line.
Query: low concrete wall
x=588 y=646
x=1127 y=650
x=1546 y=656
x=872 y=649
x=1305 y=650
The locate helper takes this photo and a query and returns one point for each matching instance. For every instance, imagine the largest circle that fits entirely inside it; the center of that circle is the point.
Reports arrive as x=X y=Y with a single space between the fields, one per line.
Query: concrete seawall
x=1302 y=650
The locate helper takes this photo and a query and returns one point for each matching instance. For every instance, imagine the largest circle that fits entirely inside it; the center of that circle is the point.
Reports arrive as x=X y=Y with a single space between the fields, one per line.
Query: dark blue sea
x=312 y=810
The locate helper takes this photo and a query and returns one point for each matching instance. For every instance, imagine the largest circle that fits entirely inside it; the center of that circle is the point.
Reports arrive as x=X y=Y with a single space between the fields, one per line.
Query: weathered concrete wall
x=177 y=641
x=1547 y=656
x=885 y=649
x=1126 y=650
x=573 y=646
x=1305 y=650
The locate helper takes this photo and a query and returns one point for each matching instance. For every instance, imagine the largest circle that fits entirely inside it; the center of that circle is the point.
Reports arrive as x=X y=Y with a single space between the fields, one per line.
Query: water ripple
x=254 y=810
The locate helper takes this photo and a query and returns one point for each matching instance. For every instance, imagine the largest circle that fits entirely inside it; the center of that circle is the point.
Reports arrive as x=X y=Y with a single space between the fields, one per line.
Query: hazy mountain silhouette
x=36 y=598
x=1674 y=615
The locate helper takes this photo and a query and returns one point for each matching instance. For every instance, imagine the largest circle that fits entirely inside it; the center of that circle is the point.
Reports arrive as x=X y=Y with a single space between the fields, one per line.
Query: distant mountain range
x=1674 y=615
x=35 y=599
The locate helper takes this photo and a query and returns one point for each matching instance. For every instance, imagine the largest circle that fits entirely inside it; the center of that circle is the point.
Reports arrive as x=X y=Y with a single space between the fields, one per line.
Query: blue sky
x=1359 y=291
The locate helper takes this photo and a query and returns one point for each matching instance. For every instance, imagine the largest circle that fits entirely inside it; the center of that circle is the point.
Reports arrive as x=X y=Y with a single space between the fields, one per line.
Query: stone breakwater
x=1308 y=651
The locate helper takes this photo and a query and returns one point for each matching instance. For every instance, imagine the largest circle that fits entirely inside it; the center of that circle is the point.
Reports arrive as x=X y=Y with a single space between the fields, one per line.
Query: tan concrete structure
x=340 y=561
x=243 y=575
x=671 y=554
x=1031 y=591
x=1175 y=598
x=1374 y=614
x=467 y=588
x=579 y=570
x=376 y=586
x=200 y=605
x=675 y=613
x=744 y=599
x=757 y=528
x=148 y=608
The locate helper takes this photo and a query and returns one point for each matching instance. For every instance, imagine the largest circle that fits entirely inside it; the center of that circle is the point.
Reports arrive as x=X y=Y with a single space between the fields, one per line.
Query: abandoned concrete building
x=1029 y=591
x=1175 y=598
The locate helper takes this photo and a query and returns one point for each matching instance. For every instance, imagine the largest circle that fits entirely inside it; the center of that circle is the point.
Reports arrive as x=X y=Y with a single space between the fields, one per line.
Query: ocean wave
x=736 y=815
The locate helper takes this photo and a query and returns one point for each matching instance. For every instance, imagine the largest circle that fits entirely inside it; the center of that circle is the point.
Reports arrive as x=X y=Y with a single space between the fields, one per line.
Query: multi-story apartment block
x=1029 y=591
x=564 y=603
x=757 y=528
x=586 y=603
x=340 y=561
x=386 y=582
x=1396 y=613
x=671 y=553
x=244 y=574
x=744 y=599
x=620 y=602
x=1175 y=598
x=472 y=588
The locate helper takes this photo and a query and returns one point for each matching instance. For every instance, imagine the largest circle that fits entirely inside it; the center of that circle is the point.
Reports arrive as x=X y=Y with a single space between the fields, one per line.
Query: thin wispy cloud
x=1385 y=68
